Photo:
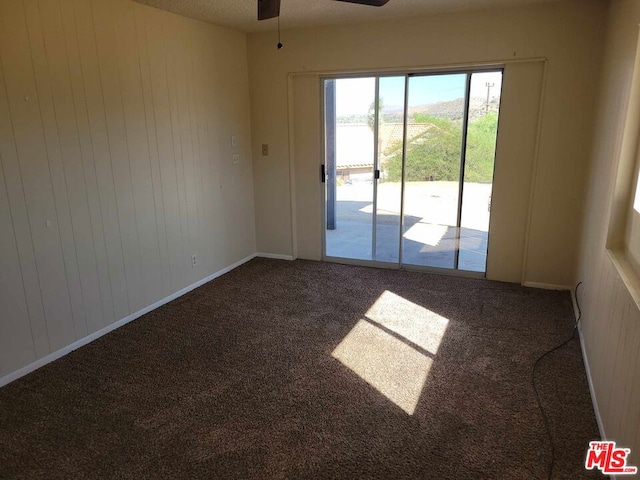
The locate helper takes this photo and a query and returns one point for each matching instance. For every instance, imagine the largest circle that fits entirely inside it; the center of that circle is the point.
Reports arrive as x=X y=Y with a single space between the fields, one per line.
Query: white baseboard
x=109 y=328
x=277 y=256
x=546 y=286
x=594 y=400
x=585 y=359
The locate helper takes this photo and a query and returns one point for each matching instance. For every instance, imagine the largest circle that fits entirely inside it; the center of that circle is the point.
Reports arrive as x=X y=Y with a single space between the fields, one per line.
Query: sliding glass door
x=477 y=179
x=408 y=168
x=349 y=163
x=388 y=185
x=435 y=129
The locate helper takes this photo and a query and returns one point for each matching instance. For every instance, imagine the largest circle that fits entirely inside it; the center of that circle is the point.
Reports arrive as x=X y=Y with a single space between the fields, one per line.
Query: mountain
x=452 y=110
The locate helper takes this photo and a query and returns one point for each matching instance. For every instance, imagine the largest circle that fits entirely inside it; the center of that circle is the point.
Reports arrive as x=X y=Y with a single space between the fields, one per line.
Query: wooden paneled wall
x=611 y=333
x=610 y=315
x=115 y=165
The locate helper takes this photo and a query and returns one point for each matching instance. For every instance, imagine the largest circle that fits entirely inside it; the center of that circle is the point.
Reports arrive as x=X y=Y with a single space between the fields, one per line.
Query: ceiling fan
x=271 y=8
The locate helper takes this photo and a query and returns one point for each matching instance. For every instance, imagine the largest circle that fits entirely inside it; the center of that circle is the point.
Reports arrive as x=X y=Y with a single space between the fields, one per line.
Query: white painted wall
x=568 y=34
x=115 y=165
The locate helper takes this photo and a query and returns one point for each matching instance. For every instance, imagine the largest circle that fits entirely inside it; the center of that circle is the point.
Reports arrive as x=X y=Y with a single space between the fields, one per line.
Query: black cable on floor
x=535 y=389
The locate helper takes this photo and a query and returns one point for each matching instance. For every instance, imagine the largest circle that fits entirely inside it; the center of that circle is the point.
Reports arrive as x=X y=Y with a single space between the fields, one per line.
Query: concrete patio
x=429 y=237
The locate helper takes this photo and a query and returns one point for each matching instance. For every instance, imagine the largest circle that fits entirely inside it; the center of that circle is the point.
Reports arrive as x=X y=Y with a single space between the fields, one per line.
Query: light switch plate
x=234 y=141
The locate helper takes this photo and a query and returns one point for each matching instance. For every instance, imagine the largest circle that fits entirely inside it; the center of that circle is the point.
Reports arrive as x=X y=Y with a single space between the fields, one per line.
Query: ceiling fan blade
x=268 y=9
x=372 y=3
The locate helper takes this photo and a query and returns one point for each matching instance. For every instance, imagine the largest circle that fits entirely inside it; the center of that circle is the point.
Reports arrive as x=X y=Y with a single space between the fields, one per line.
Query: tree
x=435 y=153
x=481 y=148
x=371 y=114
x=432 y=153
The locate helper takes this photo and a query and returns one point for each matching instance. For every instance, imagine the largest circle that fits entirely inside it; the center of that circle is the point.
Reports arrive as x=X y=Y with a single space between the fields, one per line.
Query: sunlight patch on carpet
x=389 y=365
x=417 y=324
x=393 y=348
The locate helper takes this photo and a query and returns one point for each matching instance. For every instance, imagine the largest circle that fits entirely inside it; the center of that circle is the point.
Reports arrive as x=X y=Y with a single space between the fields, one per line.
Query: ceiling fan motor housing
x=271 y=8
x=268 y=9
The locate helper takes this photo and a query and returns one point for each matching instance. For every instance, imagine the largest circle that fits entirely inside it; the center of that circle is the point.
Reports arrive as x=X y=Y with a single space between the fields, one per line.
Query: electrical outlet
x=194 y=260
x=265 y=149
x=236 y=158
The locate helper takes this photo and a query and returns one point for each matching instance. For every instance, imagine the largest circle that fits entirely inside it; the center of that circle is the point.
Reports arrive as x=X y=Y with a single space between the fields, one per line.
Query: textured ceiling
x=242 y=14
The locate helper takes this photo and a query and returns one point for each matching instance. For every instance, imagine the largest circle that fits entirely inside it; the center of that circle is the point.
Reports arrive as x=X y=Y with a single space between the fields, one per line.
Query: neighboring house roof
x=364 y=165
x=392 y=135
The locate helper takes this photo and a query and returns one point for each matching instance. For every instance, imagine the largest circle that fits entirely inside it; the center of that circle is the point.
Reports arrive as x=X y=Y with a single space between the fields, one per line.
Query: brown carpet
x=310 y=370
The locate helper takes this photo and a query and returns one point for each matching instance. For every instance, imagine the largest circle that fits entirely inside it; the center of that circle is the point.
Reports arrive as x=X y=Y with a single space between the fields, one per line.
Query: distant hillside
x=452 y=110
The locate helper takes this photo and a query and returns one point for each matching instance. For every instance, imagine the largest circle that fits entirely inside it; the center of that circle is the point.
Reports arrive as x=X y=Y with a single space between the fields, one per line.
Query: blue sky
x=354 y=95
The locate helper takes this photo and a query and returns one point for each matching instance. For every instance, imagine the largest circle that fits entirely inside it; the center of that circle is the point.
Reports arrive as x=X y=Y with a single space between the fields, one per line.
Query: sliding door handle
x=323 y=175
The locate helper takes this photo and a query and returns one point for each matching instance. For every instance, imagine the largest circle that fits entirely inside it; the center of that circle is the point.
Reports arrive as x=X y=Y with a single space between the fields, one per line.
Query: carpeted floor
x=310 y=370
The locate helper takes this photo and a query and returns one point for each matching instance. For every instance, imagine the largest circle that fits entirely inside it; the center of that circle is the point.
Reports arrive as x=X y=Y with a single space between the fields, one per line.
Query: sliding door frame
x=407 y=74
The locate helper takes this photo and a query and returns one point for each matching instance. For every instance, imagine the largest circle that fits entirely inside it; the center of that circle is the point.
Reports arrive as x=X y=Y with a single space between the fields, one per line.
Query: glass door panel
x=482 y=134
x=349 y=164
x=408 y=168
x=436 y=110
x=390 y=139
